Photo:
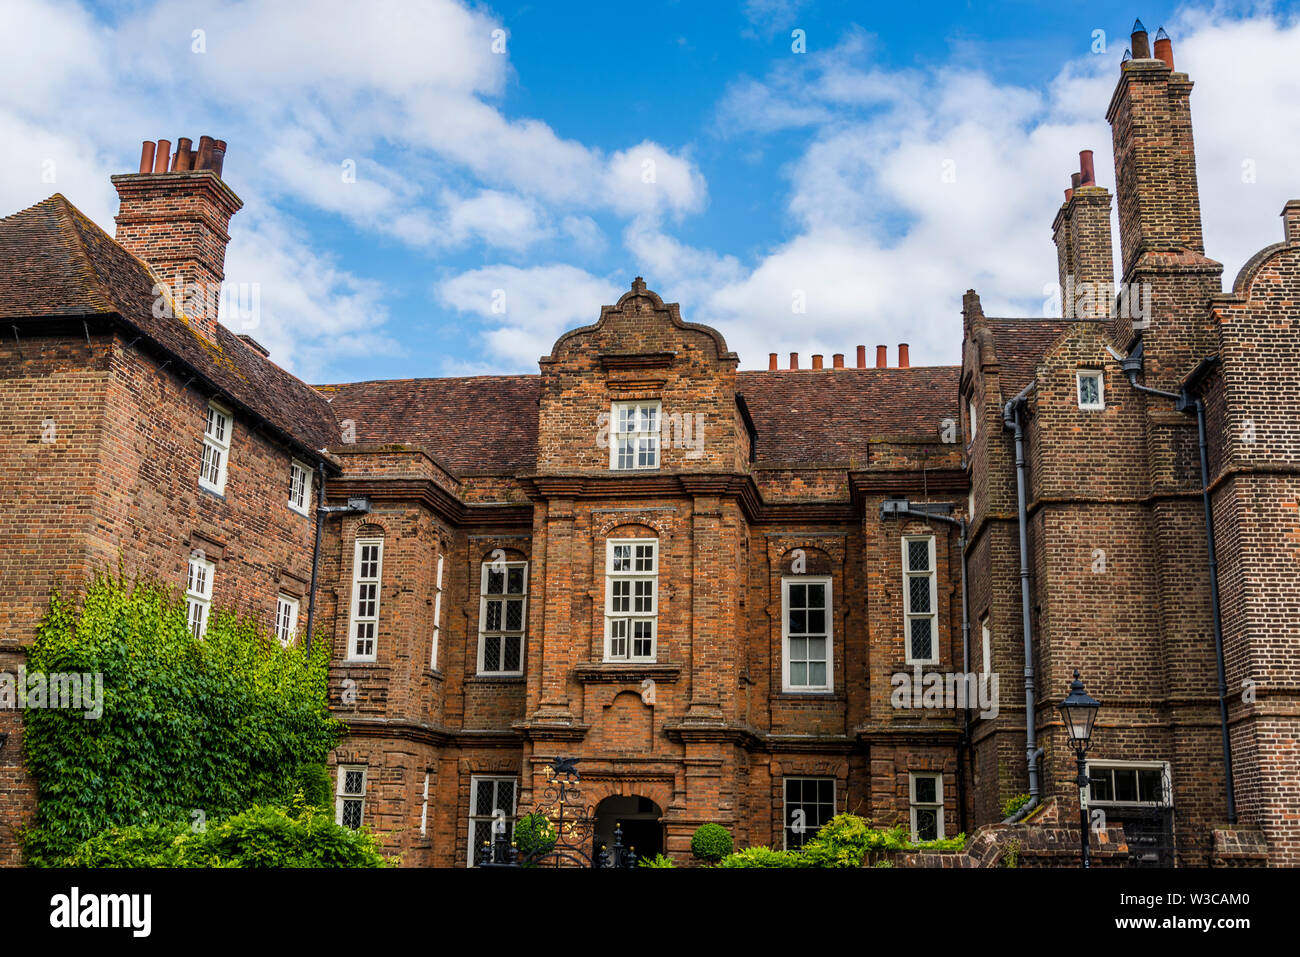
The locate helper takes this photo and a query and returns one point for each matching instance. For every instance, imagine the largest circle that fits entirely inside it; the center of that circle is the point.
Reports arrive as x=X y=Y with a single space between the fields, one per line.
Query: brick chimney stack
x=972 y=311
x=1161 y=245
x=1084 y=260
x=1291 y=222
x=174 y=214
x=1155 y=159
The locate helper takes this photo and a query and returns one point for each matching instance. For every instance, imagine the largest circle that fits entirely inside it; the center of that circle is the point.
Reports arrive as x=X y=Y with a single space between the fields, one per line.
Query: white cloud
x=311 y=311
x=1244 y=119
x=913 y=188
x=520 y=312
x=499 y=219
x=407 y=95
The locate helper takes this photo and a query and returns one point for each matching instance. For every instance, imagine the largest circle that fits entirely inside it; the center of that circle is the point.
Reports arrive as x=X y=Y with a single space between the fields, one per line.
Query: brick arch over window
x=807 y=559
x=509 y=553
x=645 y=525
x=370 y=530
x=833 y=546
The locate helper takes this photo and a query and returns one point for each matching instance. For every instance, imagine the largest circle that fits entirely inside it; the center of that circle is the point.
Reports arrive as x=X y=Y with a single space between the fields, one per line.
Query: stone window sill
x=809 y=695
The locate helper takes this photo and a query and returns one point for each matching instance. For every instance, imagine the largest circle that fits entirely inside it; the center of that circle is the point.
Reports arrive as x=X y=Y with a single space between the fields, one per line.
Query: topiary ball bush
x=711 y=843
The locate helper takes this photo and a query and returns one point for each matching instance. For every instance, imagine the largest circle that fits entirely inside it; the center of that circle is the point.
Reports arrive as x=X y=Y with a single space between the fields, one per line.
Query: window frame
x=424 y=808
x=295 y=466
x=829 y=686
x=986 y=646
x=908 y=615
x=354 y=619
x=913 y=805
x=283 y=600
x=1167 y=795
x=1079 y=376
x=615 y=408
x=785 y=805
x=341 y=796
x=471 y=851
x=437 y=612
x=201 y=599
x=521 y=633
x=631 y=617
x=218 y=444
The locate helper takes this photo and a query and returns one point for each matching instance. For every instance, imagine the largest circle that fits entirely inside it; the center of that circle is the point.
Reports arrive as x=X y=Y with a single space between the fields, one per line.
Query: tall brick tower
x=1160 y=212
x=1164 y=264
x=175 y=215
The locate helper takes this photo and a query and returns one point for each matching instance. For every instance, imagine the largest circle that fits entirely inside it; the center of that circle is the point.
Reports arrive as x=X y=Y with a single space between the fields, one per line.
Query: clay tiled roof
x=830 y=415
x=1020 y=345
x=488 y=424
x=54 y=262
x=476 y=425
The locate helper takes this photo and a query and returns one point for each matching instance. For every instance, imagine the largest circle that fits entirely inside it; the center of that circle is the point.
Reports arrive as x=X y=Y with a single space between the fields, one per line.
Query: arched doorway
x=640 y=818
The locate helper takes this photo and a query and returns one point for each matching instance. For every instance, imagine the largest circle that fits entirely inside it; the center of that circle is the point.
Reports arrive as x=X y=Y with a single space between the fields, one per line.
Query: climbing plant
x=192 y=730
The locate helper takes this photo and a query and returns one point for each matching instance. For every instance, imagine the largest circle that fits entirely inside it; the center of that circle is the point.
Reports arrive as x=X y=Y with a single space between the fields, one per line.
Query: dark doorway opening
x=640 y=819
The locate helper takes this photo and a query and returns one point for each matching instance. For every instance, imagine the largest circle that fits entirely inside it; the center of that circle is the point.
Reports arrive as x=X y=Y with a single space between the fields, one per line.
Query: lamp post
x=1079 y=711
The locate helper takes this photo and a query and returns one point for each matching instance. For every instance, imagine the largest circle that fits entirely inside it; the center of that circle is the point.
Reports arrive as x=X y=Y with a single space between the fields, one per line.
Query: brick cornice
x=949 y=737
x=607 y=672
x=682 y=731
x=894 y=481
x=738 y=486
x=637 y=360
x=420 y=731
x=167 y=183
x=436 y=498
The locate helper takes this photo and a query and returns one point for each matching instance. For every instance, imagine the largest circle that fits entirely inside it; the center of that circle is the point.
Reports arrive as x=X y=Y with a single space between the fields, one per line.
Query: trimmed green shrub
x=760 y=857
x=711 y=842
x=659 y=860
x=191 y=730
x=943 y=844
x=258 y=837
x=846 y=840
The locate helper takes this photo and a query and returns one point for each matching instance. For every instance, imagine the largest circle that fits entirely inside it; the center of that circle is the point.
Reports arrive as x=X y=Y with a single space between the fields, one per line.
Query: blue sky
x=502 y=195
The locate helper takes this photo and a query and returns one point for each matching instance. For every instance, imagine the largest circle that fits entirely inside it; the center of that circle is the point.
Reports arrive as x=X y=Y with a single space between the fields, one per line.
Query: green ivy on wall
x=192 y=730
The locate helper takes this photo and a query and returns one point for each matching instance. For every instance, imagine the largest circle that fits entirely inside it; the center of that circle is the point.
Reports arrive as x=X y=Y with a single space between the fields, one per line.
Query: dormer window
x=1091 y=395
x=634 y=435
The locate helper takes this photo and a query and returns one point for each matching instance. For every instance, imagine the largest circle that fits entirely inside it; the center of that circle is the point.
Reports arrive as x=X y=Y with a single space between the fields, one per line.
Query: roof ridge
x=37 y=205
x=840 y=369
x=63 y=210
x=437 y=378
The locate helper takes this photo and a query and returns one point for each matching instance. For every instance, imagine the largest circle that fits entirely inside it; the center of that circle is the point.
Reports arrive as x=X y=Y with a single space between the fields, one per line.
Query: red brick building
x=701 y=581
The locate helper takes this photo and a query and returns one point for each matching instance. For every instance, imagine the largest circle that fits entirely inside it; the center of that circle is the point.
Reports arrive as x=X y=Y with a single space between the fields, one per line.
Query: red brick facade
x=770 y=489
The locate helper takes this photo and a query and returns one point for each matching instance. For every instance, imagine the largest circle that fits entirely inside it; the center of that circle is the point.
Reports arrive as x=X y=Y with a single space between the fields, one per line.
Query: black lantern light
x=1079 y=711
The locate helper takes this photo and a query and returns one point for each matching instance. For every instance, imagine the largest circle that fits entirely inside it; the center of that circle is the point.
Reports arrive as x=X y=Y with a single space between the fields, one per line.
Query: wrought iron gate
x=573 y=827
